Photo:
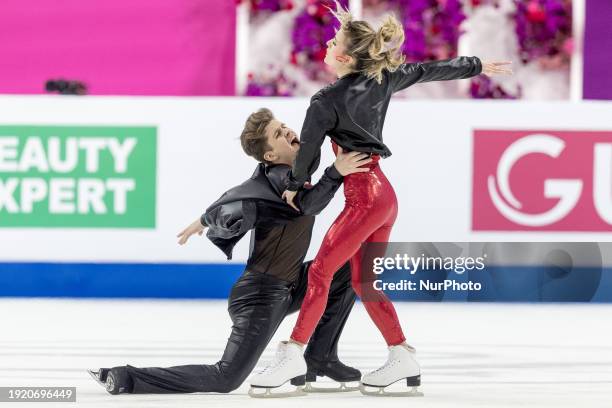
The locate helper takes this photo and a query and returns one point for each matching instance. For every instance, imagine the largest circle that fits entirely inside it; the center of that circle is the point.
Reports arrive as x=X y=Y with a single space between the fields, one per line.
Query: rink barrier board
x=198 y=157
x=118 y=280
x=214 y=281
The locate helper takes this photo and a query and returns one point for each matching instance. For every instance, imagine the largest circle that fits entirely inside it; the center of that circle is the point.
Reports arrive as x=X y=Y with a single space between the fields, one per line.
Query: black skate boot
x=115 y=380
x=333 y=369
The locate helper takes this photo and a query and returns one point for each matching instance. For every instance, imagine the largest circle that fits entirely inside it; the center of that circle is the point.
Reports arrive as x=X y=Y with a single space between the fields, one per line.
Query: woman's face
x=336 y=57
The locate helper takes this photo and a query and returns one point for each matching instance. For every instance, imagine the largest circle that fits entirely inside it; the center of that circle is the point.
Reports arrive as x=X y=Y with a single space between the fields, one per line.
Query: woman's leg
x=342 y=240
x=377 y=304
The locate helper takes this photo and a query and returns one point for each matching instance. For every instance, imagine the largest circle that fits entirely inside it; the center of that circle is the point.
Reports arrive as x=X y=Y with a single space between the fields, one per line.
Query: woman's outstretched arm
x=444 y=70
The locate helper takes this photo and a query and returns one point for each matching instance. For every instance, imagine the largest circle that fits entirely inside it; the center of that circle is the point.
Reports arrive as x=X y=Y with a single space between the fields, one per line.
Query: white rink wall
x=199 y=157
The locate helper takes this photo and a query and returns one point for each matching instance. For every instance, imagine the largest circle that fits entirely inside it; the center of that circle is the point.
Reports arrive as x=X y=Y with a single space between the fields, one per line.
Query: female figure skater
x=352 y=111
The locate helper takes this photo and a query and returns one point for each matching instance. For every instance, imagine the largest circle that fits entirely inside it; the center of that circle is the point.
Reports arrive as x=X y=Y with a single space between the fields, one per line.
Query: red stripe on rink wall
x=135 y=47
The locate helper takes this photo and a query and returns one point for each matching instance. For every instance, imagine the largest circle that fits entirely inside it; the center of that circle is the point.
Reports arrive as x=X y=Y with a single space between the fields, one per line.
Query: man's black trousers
x=257 y=305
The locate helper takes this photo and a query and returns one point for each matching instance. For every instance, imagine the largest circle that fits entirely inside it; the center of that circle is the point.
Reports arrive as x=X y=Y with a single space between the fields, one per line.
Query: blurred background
x=120 y=125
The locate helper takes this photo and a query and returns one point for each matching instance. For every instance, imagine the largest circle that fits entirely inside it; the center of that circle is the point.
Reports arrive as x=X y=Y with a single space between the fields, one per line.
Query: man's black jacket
x=258 y=201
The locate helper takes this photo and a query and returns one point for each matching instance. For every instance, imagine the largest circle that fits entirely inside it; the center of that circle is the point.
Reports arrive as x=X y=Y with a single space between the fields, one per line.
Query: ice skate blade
x=298 y=392
x=96 y=376
x=380 y=392
x=343 y=388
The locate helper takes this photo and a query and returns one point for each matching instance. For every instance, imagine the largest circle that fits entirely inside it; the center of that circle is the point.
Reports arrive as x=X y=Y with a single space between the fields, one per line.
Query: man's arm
x=228 y=223
x=444 y=70
x=312 y=201
x=196 y=227
x=228 y=219
x=224 y=220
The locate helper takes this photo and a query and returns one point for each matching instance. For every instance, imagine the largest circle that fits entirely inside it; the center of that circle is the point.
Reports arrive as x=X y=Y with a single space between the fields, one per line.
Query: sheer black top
x=281 y=235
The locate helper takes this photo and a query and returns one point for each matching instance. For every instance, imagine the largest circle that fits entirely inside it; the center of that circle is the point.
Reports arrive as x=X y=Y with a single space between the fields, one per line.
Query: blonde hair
x=372 y=50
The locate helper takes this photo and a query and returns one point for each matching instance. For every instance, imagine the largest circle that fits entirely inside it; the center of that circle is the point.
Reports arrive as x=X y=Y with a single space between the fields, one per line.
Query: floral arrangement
x=544 y=31
x=313 y=27
x=481 y=87
x=431 y=26
x=432 y=30
x=270 y=85
x=257 y=6
x=476 y=3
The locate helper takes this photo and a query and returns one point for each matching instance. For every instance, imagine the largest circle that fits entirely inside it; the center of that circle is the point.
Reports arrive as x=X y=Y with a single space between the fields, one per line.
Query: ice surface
x=472 y=355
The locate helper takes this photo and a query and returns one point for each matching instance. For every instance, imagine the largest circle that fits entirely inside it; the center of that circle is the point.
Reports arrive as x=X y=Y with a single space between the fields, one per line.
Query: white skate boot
x=288 y=365
x=401 y=365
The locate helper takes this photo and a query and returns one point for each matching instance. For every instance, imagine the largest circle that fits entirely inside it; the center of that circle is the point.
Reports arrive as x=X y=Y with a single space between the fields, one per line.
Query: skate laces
x=390 y=362
x=278 y=357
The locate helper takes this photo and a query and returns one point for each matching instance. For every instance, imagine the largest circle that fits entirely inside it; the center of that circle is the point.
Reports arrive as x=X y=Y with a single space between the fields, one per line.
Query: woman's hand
x=496 y=68
x=349 y=163
x=195 y=227
x=289 y=196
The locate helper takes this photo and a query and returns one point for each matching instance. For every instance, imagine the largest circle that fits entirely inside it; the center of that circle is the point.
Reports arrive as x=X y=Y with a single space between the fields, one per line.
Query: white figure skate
x=288 y=365
x=401 y=365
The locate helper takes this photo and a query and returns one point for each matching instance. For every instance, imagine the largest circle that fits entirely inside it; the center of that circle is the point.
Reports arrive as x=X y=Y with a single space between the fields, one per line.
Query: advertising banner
x=542 y=180
x=77 y=176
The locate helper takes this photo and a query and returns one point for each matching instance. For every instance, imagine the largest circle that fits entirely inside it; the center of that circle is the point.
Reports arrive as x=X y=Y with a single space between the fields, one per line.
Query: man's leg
x=257 y=305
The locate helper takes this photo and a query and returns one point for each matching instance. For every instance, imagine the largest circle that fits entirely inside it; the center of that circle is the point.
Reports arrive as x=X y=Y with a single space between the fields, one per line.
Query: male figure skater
x=275 y=279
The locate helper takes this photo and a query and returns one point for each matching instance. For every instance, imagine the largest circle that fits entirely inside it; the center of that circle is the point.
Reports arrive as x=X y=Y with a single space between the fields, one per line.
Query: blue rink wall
x=118 y=280
x=214 y=281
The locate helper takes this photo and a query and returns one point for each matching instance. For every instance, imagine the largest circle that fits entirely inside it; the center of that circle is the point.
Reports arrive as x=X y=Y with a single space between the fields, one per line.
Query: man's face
x=283 y=141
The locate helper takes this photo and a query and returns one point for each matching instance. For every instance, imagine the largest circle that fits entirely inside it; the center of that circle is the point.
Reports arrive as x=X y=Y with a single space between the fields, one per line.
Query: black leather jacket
x=258 y=201
x=352 y=110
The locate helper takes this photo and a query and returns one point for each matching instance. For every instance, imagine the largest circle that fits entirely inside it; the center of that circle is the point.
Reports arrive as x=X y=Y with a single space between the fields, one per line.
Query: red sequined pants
x=368 y=216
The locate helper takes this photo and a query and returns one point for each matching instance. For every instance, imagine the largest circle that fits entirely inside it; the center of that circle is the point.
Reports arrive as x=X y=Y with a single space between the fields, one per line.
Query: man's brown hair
x=253 y=138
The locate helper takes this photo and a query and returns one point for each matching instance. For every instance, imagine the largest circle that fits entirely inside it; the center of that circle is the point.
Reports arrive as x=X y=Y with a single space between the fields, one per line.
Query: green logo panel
x=78 y=176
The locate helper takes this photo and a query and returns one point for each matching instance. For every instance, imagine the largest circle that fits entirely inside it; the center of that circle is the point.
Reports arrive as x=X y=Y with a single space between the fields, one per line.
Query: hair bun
x=374 y=51
x=387 y=31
